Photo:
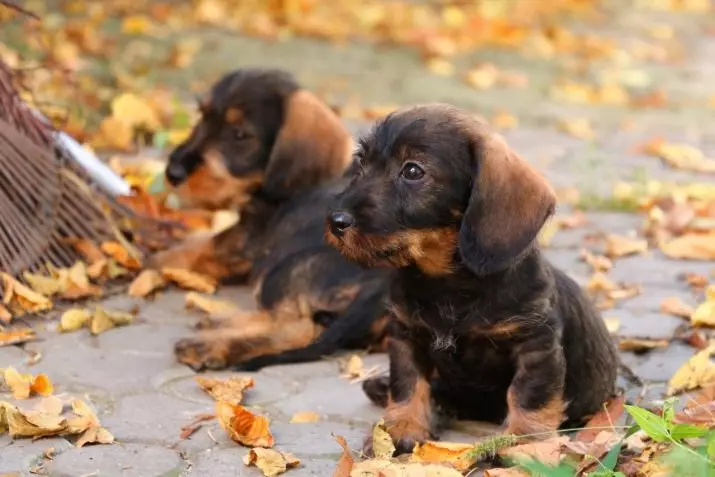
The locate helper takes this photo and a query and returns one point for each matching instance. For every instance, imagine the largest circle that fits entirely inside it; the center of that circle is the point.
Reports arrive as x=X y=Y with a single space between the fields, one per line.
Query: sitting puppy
x=481 y=324
x=276 y=152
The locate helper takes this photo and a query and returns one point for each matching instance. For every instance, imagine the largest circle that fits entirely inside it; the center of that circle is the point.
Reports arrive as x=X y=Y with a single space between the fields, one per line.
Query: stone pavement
x=144 y=398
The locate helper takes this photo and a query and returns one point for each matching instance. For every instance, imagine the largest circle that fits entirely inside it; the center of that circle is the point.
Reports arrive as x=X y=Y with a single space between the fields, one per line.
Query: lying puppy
x=481 y=324
x=276 y=152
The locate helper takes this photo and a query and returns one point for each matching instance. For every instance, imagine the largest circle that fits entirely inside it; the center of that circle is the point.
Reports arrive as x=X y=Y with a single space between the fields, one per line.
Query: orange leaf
x=346 y=462
x=91 y=252
x=42 y=385
x=229 y=390
x=456 y=454
x=147 y=282
x=121 y=255
x=674 y=306
x=691 y=247
x=243 y=426
x=618 y=246
x=12 y=337
x=190 y=280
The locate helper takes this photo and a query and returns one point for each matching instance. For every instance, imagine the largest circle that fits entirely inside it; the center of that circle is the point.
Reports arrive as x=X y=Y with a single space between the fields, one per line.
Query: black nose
x=175 y=173
x=340 y=221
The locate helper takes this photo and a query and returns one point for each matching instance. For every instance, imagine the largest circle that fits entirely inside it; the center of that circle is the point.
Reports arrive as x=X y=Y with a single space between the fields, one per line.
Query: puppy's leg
x=217 y=256
x=409 y=416
x=247 y=336
x=536 y=395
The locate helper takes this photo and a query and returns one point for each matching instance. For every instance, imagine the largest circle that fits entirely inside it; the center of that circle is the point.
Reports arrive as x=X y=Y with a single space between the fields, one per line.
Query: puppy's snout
x=175 y=173
x=340 y=221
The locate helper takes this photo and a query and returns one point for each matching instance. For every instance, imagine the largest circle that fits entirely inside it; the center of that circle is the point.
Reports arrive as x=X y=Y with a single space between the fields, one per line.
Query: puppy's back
x=591 y=356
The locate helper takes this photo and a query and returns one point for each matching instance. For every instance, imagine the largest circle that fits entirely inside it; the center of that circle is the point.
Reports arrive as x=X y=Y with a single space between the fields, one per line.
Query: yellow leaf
x=209 y=305
x=114 y=134
x=639 y=345
x=484 y=76
x=74 y=319
x=382 y=445
x=135 y=112
x=440 y=66
x=136 y=25
x=353 y=368
x=229 y=390
x=5 y=315
x=504 y=120
x=35 y=423
x=19 y=384
x=305 y=417
x=674 y=306
x=75 y=282
x=691 y=246
x=22 y=299
x=271 y=462
x=95 y=435
x=243 y=426
x=454 y=453
x=697 y=372
x=189 y=280
x=147 y=282
x=618 y=246
x=704 y=314
x=43 y=285
x=577 y=127
x=84 y=418
x=12 y=337
x=100 y=322
x=612 y=325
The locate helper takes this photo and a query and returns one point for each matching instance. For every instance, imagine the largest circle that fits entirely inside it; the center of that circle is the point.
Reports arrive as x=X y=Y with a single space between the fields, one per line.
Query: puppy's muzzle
x=175 y=174
x=340 y=221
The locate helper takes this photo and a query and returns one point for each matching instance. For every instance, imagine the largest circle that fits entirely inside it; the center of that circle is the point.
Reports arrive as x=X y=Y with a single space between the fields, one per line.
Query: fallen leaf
x=675 y=306
x=691 y=247
x=103 y=320
x=606 y=417
x=22 y=299
x=5 y=315
x=612 y=325
x=229 y=390
x=13 y=337
x=504 y=120
x=271 y=462
x=696 y=280
x=680 y=156
x=440 y=66
x=74 y=282
x=577 y=127
x=41 y=385
x=147 y=282
x=353 y=367
x=346 y=462
x=136 y=113
x=456 y=454
x=95 y=435
x=382 y=445
x=599 y=263
x=193 y=426
x=619 y=246
x=305 y=417
x=38 y=422
x=91 y=252
x=704 y=314
x=84 y=418
x=74 y=319
x=211 y=306
x=43 y=285
x=121 y=255
x=640 y=345
x=189 y=280
x=484 y=76
x=243 y=426
x=697 y=372
x=23 y=386
x=547 y=451
x=387 y=468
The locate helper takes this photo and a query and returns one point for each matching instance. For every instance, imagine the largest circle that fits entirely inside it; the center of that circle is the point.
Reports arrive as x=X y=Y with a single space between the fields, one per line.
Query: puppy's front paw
x=202 y=352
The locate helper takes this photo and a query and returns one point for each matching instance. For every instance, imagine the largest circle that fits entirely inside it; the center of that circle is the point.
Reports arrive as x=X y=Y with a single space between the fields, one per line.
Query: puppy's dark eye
x=412 y=172
x=239 y=135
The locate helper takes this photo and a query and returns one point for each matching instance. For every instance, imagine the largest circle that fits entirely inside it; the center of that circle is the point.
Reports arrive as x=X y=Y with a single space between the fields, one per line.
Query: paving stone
x=314 y=438
x=152 y=417
x=644 y=324
x=228 y=463
x=658 y=365
x=654 y=269
x=118 y=460
x=22 y=455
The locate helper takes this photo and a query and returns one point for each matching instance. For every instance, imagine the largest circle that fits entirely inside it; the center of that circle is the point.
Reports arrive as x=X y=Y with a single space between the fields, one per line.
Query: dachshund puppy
x=277 y=153
x=482 y=326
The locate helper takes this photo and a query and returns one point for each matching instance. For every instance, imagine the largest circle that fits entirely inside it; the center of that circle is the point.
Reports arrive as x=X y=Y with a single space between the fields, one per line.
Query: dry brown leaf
x=388 y=468
x=39 y=422
x=619 y=246
x=243 y=426
x=698 y=371
x=696 y=280
x=271 y=462
x=87 y=249
x=189 y=280
x=75 y=282
x=193 y=426
x=209 y=305
x=121 y=255
x=675 y=306
x=147 y=282
x=691 y=247
x=305 y=417
x=547 y=451
x=346 y=462
x=640 y=345
x=100 y=322
x=84 y=418
x=228 y=390
x=456 y=454
x=704 y=314
x=22 y=299
x=43 y=285
x=680 y=156
x=13 y=337
x=74 y=319
x=95 y=435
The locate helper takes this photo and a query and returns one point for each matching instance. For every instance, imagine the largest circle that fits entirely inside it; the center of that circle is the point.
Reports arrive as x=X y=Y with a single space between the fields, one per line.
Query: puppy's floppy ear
x=312 y=146
x=509 y=203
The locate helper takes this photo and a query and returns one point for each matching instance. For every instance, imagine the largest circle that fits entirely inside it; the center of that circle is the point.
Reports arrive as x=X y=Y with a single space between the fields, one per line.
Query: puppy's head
x=431 y=181
x=259 y=132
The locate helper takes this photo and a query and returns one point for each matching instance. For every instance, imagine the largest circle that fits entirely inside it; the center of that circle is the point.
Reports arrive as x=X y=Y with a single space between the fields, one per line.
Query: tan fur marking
x=523 y=422
x=410 y=419
x=233 y=116
x=197 y=254
x=212 y=186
